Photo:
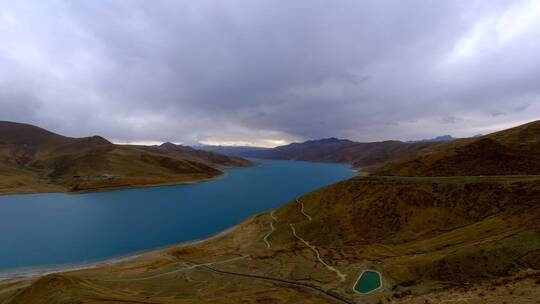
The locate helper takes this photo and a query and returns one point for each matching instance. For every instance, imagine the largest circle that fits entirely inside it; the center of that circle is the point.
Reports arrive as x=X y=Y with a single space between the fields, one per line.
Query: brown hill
x=34 y=160
x=333 y=150
x=25 y=134
x=321 y=150
x=514 y=151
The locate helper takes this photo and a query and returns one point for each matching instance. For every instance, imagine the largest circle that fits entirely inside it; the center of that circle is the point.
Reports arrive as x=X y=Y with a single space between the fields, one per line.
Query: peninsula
x=35 y=160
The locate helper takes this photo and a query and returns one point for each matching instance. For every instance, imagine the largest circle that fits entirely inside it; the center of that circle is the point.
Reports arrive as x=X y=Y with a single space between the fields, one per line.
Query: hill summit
x=33 y=159
x=515 y=151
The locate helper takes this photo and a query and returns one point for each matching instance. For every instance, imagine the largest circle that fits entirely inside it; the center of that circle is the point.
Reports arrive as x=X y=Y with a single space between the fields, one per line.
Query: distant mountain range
x=332 y=150
x=446 y=137
x=36 y=160
x=502 y=153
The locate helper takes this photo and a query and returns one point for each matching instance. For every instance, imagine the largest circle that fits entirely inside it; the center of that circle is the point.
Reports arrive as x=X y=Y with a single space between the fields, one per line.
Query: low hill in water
x=36 y=160
x=455 y=239
x=241 y=151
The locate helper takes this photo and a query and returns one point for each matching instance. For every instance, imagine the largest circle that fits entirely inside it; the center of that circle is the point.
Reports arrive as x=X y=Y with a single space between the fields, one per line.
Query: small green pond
x=368 y=281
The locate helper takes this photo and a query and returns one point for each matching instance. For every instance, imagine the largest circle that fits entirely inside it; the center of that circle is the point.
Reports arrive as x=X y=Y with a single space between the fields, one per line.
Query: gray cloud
x=267 y=72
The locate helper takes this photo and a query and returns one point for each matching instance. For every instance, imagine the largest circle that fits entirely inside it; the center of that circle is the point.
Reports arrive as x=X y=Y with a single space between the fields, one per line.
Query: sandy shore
x=21 y=274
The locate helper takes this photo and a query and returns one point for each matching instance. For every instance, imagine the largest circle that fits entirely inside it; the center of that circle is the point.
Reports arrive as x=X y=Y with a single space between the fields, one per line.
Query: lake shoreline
x=29 y=273
x=56 y=189
x=67 y=237
x=114 y=188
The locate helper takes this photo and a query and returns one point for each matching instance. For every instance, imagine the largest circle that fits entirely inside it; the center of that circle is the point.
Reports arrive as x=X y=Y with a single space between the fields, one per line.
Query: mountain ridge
x=446 y=137
x=33 y=159
x=514 y=151
x=333 y=150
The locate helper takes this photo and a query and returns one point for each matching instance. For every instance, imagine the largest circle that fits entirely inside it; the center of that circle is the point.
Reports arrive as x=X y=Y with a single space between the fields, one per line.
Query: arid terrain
x=434 y=237
x=36 y=160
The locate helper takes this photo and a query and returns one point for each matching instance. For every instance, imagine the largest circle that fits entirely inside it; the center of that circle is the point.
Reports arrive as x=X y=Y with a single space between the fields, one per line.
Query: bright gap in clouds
x=265 y=143
x=494 y=31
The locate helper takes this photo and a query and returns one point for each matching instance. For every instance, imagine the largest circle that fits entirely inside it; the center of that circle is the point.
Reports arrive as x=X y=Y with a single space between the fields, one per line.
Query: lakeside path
x=272 y=229
x=190 y=267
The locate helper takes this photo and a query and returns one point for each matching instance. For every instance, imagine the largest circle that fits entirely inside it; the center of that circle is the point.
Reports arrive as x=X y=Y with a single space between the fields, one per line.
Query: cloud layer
x=269 y=71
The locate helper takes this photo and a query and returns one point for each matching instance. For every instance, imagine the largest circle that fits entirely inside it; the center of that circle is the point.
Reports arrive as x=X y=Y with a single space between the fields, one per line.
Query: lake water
x=368 y=282
x=55 y=229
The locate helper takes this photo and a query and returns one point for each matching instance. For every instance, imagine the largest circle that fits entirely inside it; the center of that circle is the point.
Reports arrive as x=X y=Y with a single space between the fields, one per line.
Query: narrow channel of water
x=52 y=229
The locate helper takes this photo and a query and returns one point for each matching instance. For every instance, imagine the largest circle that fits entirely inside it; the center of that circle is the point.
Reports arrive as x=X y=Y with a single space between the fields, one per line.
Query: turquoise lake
x=38 y=230
x=368 y=282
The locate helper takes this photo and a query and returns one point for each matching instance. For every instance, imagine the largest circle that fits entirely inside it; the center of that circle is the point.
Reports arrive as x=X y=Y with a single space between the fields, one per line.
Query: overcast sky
x=267 y=72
